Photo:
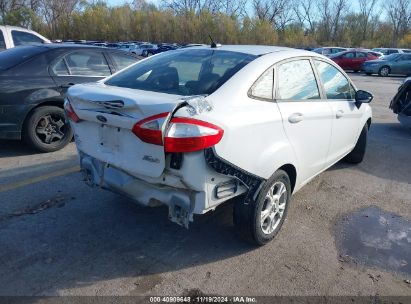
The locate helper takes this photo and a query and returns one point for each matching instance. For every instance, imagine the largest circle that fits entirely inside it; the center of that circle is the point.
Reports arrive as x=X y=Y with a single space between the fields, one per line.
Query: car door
x=347 y=60
x=359 y=59
x=396 y=64
x=404 y=64
x=340 y=96
x=79 y=66
x=307 y=118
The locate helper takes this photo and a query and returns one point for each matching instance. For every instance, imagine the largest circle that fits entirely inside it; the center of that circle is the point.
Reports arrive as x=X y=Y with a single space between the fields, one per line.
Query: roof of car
x=256 y=50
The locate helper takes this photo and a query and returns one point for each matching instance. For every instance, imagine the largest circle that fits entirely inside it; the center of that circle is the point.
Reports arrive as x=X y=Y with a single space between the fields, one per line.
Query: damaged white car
x=194 y=128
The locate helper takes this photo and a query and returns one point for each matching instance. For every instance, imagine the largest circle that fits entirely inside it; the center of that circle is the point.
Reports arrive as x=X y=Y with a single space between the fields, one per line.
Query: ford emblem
x=101 y=118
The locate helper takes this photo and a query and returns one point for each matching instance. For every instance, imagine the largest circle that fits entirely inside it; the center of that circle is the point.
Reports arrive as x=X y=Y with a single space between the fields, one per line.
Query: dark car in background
x=401 y=103
x=399 y=64
x=160 y=49
x=33 y=81
x=353 y=59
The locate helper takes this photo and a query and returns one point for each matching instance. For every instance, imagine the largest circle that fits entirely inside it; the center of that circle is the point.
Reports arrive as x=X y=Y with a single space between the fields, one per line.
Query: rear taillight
x=71 y=114
x=149 y=129
x=189 y=135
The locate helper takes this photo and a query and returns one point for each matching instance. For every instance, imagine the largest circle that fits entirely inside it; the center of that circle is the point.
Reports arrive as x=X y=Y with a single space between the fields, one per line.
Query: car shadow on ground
x=10 y=148
x=388 y=153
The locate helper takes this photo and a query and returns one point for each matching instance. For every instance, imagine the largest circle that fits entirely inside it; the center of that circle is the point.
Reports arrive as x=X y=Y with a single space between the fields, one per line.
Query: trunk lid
x=108 y=115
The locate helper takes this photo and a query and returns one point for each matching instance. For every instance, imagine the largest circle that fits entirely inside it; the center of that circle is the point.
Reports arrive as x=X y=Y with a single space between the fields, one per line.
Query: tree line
x=296 y=23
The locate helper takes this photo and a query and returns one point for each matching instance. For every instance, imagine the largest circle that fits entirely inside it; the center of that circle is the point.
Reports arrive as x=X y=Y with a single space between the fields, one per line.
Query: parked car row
x=380 y=61
x=139 y=48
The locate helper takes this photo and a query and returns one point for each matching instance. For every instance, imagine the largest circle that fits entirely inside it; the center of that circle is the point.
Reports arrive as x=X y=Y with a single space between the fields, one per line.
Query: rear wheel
x=46 y=130
x=384 y=71
x=259 y=221
x=368 y=74
x=357 y=154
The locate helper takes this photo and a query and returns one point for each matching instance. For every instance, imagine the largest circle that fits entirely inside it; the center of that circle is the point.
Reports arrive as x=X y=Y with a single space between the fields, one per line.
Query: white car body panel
x=258 y=137
x=6 y=30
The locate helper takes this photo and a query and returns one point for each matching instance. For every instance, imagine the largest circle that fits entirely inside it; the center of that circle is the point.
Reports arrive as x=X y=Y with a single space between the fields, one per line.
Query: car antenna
x=213 y=44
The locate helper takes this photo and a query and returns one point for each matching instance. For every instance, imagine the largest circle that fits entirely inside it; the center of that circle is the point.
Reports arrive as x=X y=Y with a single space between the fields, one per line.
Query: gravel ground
x=59 y=237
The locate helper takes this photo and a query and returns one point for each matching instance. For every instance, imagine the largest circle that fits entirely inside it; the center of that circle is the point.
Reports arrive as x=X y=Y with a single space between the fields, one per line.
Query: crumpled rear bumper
x=181 y=202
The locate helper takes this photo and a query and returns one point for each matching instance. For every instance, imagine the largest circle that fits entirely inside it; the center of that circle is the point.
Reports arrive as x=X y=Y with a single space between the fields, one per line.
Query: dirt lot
x=59 y=237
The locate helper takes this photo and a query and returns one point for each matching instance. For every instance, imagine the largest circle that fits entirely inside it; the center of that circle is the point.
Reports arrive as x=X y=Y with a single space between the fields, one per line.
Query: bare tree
x=270 y=10
x=54 y=10
x=306 y=13
x=399 y=14
x=366 y=10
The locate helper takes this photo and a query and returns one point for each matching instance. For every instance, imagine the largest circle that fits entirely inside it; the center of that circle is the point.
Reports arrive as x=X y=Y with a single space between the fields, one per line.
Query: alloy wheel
x=273 y=207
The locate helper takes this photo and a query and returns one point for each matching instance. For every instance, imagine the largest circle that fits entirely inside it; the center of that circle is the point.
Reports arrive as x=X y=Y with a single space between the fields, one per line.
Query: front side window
x=21 y=38
x=296 y=81
x=183 y=72
x=349 y=55
x=263 y=87
x=405 y=58
x=87 y=63
x=335 y=84
x=361 y=55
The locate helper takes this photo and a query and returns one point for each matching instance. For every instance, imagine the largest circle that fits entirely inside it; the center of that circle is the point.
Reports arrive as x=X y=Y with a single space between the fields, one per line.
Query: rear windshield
x=11 y=57
x=183 y=72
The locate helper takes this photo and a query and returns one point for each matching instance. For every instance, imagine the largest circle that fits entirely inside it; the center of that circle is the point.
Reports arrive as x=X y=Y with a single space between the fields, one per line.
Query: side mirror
x=362 y=97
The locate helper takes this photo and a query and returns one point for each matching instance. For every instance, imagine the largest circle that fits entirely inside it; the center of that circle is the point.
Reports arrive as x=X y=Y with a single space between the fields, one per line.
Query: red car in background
x=353 y=59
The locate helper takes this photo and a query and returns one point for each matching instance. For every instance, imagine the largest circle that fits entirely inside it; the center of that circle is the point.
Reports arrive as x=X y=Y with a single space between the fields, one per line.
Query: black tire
x=382 y=70
x=46 y=129
x=247 y=217
x=356 y=71
x=368 y=74
x=357 y=154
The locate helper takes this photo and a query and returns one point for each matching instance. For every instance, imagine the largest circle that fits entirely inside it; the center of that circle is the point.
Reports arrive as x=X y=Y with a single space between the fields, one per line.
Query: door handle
x=296 y=117
x=66 y=85
x=339 y=114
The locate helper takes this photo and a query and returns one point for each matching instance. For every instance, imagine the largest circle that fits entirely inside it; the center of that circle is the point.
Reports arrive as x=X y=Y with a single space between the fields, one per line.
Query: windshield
x=16 y=55
x=391 y=57
x=183 y=72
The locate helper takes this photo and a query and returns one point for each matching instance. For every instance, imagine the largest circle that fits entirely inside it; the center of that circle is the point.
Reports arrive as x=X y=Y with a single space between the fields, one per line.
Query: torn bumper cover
x=181 y=202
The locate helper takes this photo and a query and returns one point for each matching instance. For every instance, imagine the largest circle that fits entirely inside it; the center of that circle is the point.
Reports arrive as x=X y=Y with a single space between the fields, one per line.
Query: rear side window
x=21 y=38
x=183 y=72
x=263 y=87
x=349 y=55
x=2 y=42
x=335 y=84
x=60 y=68
x=296 y=81
x=87 y=63
x=123 y=61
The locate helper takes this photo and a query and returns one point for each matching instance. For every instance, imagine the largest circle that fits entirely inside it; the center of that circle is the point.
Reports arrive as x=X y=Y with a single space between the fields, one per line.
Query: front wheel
x=357 y=154
x=46 y=129
x=259 y=221
x=384 y=71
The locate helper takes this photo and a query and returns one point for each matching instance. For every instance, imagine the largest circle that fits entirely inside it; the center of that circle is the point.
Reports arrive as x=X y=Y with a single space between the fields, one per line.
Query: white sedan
x=197 y=127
